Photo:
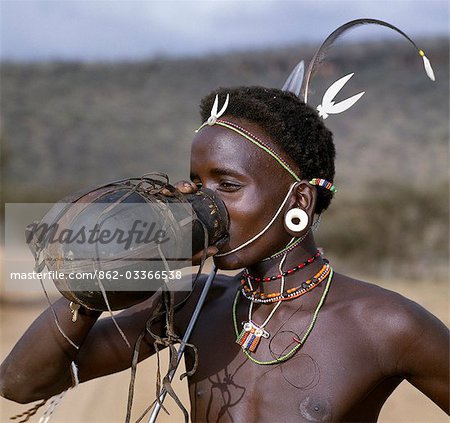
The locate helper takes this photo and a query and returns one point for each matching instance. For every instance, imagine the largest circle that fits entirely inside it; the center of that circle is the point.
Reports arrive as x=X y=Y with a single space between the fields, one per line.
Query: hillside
x=70 y=125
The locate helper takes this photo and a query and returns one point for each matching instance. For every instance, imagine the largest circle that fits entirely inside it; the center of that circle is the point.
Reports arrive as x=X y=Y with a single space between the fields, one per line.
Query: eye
x=229 y=186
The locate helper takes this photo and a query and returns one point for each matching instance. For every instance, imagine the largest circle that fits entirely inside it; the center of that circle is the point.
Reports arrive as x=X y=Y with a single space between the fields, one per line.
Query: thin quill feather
x=321 y=53
x=295 y=80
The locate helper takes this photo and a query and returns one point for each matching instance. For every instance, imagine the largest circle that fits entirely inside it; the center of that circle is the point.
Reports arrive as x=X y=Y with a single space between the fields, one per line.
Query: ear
x=304 y=197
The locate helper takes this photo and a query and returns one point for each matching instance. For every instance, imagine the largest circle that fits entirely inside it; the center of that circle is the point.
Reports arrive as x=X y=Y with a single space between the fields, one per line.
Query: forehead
x=216 y=146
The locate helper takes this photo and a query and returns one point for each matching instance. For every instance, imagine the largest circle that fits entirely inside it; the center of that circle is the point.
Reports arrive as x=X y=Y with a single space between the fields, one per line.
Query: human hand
x=197 y=258
x=186 y=187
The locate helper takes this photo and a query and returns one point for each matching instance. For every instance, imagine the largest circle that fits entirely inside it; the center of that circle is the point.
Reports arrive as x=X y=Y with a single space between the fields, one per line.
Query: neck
x=300 y=254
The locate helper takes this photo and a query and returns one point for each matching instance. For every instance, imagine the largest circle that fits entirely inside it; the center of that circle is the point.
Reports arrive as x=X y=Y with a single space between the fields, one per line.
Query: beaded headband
x=214 y=120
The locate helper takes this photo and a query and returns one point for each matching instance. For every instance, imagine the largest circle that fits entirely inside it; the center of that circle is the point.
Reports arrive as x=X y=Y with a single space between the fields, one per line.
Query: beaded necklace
x=290 y=294
x=252 y=333
x=280 y=275
x=300 y=342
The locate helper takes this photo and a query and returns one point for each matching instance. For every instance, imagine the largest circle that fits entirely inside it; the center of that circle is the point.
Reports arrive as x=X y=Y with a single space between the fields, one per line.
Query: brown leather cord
x=30 y=412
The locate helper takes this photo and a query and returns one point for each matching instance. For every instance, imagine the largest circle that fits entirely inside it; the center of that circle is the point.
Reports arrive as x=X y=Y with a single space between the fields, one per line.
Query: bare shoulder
x=394 y=324
x=370 y=300
x=382 y=308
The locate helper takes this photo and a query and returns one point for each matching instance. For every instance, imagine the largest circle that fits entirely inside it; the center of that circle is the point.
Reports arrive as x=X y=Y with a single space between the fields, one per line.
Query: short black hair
x=290 y=123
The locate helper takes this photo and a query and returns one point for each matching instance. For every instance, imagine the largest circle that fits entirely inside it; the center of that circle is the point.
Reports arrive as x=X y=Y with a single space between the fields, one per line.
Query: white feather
x=428 y=68
x=295 y=80
x=345 y=104
x=328 y=105
x=214 y=114
x=224 y=107
x=335 y=88
x=322 y=113
x=215 y=106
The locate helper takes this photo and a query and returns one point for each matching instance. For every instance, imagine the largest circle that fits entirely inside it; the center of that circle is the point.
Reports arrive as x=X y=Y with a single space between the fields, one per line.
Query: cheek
x=246 y=221
x=249 y=214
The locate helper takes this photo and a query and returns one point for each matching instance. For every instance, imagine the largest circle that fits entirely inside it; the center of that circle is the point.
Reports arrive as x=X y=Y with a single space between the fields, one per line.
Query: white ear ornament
x=296 y=214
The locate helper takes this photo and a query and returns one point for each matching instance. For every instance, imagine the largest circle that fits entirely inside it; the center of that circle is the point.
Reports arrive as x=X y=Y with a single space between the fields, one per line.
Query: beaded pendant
x=250 y=336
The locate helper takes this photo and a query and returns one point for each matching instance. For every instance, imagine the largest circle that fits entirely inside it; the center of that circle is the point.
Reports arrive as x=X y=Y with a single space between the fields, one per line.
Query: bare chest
x=323 y=381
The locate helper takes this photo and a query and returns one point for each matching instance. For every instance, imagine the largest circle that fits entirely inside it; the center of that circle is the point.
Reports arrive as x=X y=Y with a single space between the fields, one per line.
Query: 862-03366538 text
x=99 y=274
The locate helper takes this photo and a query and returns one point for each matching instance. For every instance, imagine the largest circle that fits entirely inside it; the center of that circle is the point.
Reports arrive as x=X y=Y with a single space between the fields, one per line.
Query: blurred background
x=93 y=91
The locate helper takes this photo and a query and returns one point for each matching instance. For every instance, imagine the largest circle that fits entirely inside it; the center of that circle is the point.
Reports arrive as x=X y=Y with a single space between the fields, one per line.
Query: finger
x=186 y=187
x=197 y=258
x=166 y=192
x=211 y=251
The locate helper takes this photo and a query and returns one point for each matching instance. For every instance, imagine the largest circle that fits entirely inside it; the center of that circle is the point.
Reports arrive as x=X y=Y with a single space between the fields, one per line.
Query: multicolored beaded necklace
x=285 y=273
x=290 y=294
x=251 y=334
x=300 y=342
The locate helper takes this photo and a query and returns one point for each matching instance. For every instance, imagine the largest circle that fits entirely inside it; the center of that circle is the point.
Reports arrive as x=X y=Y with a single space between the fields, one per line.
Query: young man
x=294 y=341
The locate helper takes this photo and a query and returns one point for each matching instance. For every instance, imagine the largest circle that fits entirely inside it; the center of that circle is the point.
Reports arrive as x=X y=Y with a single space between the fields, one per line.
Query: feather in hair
x=321 y=53
x=295 y=80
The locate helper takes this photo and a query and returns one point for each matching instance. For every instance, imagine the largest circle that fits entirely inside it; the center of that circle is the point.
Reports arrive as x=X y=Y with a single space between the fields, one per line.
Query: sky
x=92 y=30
